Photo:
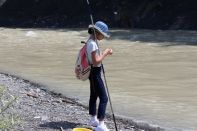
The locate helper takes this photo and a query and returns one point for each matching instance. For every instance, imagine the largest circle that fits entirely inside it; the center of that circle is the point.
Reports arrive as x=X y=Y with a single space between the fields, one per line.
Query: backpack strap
x=83 y=42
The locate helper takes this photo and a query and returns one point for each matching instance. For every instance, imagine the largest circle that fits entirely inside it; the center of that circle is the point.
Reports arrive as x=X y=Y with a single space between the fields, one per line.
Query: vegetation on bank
x=148 y=14
x=6 y=101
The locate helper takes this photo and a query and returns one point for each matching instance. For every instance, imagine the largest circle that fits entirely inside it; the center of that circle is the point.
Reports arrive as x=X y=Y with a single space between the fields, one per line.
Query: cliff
x=149 y=14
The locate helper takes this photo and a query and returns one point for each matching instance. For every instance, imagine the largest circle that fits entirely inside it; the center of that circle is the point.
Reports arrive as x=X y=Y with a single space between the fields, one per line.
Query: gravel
x=42 y=110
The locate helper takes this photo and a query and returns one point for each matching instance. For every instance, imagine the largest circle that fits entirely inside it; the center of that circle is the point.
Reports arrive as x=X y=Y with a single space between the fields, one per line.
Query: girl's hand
x=108 y=51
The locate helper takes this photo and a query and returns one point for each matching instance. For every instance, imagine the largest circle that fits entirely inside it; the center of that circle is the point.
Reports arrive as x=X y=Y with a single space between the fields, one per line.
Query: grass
x=6 y=101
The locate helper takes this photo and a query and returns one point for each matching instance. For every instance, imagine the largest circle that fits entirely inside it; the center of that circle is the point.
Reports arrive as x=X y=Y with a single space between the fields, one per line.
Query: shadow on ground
x=59 y=125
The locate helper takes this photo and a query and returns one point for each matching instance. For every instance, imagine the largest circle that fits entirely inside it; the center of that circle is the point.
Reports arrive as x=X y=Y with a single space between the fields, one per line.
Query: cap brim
x=103 y=33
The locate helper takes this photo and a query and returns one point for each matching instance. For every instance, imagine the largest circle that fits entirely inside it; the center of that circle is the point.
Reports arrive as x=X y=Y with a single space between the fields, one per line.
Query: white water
x=152 y=75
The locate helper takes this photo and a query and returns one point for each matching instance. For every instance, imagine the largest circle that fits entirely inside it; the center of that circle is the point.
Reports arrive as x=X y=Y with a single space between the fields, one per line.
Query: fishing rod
x=92 y=22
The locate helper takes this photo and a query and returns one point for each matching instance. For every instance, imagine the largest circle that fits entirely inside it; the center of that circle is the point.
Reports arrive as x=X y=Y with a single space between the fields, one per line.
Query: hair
x=91 y=31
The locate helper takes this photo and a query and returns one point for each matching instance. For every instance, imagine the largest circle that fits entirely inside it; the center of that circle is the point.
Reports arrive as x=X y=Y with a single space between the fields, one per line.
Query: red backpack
x=82 y=66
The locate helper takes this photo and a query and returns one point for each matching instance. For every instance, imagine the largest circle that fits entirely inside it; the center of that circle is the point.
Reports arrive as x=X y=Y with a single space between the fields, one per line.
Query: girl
x=97 y=88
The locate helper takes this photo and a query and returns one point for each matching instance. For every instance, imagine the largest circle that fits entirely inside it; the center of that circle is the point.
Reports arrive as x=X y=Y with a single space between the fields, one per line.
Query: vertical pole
x=92 y=22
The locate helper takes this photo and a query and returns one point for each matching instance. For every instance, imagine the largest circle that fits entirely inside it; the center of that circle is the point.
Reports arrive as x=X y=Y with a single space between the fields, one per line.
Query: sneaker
x=101 y=127
x=94 y=122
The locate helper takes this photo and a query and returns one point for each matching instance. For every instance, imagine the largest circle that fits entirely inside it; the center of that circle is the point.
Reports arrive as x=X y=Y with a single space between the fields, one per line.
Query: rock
x=37 y=117
x=44 y=118
x=32 y=95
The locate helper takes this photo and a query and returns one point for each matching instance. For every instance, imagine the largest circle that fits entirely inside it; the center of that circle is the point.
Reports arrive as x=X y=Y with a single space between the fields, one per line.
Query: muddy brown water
x=151 y=75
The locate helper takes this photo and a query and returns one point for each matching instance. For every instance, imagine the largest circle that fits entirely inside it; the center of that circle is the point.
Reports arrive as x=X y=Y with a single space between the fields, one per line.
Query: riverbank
x=39 y=109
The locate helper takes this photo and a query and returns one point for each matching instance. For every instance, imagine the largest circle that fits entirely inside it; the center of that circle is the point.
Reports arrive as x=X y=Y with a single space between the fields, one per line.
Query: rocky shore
x=39 y=109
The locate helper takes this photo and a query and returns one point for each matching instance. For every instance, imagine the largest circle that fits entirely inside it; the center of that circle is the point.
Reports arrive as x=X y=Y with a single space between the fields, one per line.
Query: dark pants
x=97 y=89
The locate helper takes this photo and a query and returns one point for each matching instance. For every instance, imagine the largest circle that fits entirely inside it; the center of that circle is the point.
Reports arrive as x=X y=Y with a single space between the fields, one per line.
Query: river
x=151 y=75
